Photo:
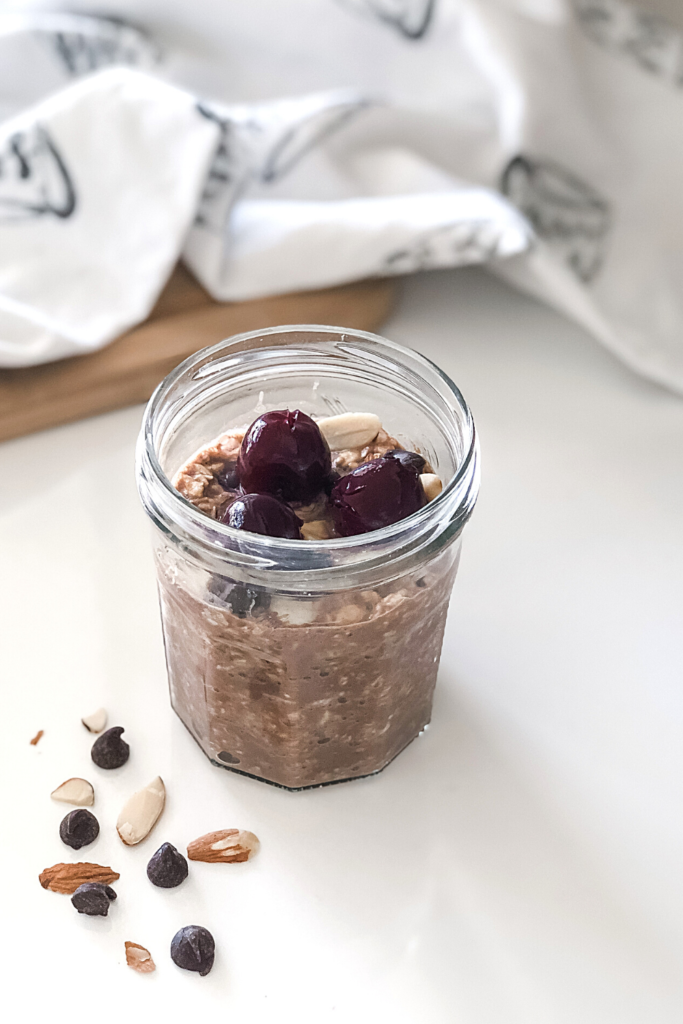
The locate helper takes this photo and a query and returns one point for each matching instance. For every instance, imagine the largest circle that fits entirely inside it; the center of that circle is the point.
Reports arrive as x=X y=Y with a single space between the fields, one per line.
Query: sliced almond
x=348 y=614
x=66 y=878
x=139 y=958
x=295 y=612
x=431 y=485
x=350 y=430
x=74 y=791
x=317 y=530
x=141 y=813
x=231 y=846
x=95 y=722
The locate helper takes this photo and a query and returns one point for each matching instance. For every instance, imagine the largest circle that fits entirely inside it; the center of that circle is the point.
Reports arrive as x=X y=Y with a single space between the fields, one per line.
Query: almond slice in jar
x=350 y=430
x=97 y=721
x=139 y=958
x=141 y=813
x=431 y=485
x=78 y=792
x=316 y=530
x=229 y=846
x=66 y=878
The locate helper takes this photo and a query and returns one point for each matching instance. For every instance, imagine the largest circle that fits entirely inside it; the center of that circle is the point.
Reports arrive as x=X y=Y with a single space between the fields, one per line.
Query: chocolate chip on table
x=79 y=828
x=109 y=750
x=93 y=899
x=193 y=949
x=167 y=868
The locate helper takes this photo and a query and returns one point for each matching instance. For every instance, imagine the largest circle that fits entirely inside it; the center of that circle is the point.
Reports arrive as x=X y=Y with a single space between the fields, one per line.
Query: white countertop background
x=521 y=863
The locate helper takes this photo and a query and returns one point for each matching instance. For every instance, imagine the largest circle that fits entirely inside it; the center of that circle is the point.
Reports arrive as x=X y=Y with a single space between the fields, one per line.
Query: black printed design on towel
x=34 y=180
x=101 y=42
x=449 y=245
x=298 y=140
x=224 y=178
x=565 y=212
x=262 y=148
x=411 y=18
x=646 y=39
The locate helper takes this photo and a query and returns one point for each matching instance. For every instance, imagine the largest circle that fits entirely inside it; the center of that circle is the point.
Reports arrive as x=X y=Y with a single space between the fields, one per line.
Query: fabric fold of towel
x=540 y=138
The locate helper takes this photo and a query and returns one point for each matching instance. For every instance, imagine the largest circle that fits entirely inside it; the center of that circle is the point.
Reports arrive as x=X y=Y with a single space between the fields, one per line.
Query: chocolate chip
x=411 y=459
x=229 y=758
x=79 y=828
x=193 y=948
x=93 y=899
x=331 y=481
x=167 y=868
x=228 y=478
x=242 y=600
x=109 y=750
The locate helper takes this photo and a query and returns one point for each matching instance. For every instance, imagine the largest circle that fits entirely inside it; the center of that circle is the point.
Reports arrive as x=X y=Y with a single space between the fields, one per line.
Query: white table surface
x=521 y=862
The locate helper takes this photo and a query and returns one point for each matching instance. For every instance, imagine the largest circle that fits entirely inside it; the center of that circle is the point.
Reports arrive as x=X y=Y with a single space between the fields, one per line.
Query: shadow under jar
x=303 y=663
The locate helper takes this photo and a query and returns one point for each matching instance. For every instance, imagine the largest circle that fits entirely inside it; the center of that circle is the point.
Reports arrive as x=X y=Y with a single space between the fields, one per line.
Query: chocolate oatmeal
x=306 y=692
x=305 y=561
x=302 y=690
x=206 y=478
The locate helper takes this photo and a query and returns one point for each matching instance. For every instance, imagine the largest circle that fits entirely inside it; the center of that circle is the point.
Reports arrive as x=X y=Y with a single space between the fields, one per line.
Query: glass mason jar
x=305 y=662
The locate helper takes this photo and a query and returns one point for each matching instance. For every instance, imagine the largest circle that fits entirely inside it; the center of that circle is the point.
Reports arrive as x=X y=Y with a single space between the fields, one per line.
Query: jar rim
x=454 y=503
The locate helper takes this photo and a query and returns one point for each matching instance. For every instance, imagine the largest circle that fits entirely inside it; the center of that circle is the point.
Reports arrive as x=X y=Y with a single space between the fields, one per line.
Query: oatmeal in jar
x=303 y=636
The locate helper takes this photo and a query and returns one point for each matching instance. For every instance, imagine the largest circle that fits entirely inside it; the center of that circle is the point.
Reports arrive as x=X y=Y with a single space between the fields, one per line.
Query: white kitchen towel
x=352 y=138
x=99 y=185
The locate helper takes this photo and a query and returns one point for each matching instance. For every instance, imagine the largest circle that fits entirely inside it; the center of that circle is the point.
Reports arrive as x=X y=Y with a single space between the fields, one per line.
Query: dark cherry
x=411 y=459
x=376 y=494
x=283 y=453
x=262 y=513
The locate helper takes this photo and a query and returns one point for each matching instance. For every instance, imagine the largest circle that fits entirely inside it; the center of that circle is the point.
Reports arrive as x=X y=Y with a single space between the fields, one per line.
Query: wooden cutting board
x=184 y=320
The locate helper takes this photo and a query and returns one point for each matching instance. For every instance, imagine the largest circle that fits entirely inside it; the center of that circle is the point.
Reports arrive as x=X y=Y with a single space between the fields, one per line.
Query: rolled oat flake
x=193 y=949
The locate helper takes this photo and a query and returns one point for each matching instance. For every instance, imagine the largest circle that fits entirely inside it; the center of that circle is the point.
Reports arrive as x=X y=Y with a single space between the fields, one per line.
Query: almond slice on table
x=350 y=430
x=141 y=813
x=95 y=722
x=229 y=846
x=66 y=878
x=74 y=791
x=139 y=958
